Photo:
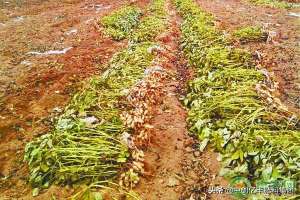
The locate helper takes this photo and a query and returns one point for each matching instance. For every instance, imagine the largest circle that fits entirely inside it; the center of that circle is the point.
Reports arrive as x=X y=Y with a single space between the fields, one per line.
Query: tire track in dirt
x=48 y=84
x=174 y=168
x=281 y=56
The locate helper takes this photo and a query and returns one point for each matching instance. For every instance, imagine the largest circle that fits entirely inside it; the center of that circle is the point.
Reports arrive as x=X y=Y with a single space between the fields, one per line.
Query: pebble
x=190 y=182
x=294 y=14
x=90 y=120
x=18 y=19
x=196 y=153
x=188 y=142
x=72 y=31
x=25 y=62
x=57 y=109
x=285 y=37
x=192 y=175
x=172 y=182
x=188 y=149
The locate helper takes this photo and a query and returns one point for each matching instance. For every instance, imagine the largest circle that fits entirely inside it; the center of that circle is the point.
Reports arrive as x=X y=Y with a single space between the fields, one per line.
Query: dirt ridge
x=175 y=169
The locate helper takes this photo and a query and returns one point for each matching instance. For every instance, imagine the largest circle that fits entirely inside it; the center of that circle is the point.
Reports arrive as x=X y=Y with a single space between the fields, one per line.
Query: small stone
x=161 y=181
x=173 y=182
x=294 y=14
x=190 y=182
x=192 y=197
x=192 y=175
x=196 y=153
x=188 y=142
x=89 y=121
x=57 y=109
x=72 y=31
x=285 y=37
x=188 y=149
x=26 y=63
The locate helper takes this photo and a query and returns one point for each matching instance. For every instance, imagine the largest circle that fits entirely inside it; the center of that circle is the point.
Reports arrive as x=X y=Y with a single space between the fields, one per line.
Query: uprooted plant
x=152 y=25
x=232 y=108
x=121 y=22
x=87 y=144
x=250 y=33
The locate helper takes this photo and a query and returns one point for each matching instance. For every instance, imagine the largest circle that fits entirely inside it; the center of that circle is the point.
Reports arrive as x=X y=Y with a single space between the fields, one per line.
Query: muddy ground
x=34 y=88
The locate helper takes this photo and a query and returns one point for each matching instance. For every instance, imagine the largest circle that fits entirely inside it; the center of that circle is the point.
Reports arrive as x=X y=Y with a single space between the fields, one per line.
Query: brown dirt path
x=174 y=168
x=282 y=56
x=33 y=88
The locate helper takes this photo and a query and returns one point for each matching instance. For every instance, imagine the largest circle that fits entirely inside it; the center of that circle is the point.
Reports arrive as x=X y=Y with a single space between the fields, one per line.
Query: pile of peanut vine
x=85 y=145
x=231 y=108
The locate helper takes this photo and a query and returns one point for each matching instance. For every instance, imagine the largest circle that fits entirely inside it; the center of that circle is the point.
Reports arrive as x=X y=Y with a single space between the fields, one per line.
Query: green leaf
x=185 y=102
x=267 y=172
x=98 y=196
x=253 y=153
x=121 y=160
x=256 y=159
x=203 y=144
x=227 y=173
x=275 y=173
x=236 y=155
x=241 y=155
x=49 y=143
x=206 y=131
x=242 y=169
x=35 y=192
x=44 y=167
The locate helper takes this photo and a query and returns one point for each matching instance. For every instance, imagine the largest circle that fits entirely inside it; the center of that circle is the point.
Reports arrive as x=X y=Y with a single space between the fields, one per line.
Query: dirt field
x=48 y=47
